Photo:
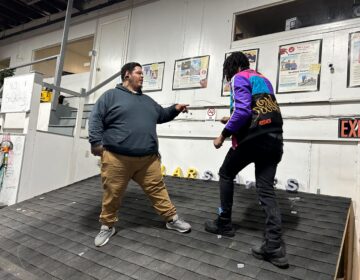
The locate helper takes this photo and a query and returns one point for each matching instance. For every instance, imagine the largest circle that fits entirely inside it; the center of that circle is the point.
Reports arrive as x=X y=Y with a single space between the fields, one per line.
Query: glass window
x=291 y=15
x=77 y=59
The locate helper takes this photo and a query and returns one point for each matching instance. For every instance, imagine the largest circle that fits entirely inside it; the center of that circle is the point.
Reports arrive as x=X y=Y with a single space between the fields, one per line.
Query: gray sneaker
x=104 y=235
x=179 y=225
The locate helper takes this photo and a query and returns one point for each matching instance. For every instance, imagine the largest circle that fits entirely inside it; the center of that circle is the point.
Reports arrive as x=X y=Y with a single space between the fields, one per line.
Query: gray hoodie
x=125 y=122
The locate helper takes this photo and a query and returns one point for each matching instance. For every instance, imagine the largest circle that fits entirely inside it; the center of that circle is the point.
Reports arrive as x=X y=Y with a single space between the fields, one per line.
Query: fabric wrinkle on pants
x=116 y=172
x=265 y=152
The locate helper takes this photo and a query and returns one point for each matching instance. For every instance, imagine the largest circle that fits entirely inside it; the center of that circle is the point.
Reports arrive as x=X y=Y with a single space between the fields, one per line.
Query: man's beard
x=139 y=88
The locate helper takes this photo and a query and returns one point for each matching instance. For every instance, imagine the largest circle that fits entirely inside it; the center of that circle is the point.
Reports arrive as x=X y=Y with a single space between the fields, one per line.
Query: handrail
x=74 y=93
x=60 y=89
x=102 y=84
x=30 y=63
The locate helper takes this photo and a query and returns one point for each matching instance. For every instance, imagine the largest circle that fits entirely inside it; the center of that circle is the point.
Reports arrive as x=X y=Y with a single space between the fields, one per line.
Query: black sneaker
x=276 y=256
x=221 y=226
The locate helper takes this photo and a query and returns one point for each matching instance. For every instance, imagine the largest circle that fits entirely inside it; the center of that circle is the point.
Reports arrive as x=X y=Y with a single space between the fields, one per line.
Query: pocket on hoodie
x=123 y=135
x=116 y=137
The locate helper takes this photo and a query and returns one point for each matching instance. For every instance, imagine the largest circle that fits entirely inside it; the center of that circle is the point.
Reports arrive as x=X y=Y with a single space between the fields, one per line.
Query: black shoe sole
x=276 y=262
x=224 y=233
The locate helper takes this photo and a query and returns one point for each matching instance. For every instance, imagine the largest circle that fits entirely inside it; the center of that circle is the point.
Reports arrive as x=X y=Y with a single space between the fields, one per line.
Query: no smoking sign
x=210 y=114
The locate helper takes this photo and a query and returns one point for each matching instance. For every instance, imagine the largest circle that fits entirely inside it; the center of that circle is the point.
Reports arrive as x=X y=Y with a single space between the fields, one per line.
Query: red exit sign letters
x=349 y=128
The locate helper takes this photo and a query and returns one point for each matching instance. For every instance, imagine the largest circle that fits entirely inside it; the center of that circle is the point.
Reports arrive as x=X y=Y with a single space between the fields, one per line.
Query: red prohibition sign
x=211 y=112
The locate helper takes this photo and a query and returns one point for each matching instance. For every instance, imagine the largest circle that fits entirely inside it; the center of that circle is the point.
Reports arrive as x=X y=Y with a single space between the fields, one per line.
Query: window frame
x=59 y=44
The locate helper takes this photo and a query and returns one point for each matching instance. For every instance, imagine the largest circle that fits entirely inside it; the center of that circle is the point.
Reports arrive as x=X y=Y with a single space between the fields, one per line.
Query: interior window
x=77 y=59
x=291 y=15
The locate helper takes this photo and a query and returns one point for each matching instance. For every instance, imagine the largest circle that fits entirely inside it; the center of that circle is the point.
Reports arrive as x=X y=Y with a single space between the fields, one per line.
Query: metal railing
x=31 y=63
x=86 y=93
x=117 y=74
x=27 y=64
x=58 y=88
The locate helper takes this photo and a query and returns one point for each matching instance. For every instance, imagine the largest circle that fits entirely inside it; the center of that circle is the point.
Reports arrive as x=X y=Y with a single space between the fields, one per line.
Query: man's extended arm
x=169 y=113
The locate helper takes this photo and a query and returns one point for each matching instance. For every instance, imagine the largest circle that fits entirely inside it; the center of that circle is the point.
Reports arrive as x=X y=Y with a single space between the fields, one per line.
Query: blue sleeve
x=96 y=121
x=166 y=114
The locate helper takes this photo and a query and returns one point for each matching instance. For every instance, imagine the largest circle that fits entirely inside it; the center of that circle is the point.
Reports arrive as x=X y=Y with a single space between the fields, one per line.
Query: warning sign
x=210 y=114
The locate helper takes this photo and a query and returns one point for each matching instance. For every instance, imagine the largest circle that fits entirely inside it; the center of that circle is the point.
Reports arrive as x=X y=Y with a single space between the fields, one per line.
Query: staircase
x=62 y=121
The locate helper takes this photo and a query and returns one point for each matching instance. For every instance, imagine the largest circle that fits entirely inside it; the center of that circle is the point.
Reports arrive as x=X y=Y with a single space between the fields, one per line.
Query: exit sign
x=349 y=128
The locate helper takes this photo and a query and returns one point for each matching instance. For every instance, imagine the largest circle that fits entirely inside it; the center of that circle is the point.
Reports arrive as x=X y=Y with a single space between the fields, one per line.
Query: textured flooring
x=51 y=236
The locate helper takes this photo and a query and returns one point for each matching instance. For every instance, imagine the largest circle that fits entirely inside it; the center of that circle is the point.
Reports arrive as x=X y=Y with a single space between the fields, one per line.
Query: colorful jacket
x=253 y=107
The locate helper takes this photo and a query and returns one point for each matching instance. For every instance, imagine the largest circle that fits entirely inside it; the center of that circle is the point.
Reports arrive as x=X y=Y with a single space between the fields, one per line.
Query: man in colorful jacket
x=255 y=127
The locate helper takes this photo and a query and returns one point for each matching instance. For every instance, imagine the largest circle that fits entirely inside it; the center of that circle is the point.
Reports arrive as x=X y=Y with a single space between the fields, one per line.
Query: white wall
x=47 y=172
x=44 y=116
x=169 y=30
x=84 y=157
x=52 y=168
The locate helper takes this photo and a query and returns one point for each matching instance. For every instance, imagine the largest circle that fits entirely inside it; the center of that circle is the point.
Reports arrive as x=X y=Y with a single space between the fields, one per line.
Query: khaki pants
x=116 y=172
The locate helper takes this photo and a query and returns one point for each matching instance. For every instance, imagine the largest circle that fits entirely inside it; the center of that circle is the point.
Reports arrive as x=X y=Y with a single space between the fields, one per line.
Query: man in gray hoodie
x=122 y=130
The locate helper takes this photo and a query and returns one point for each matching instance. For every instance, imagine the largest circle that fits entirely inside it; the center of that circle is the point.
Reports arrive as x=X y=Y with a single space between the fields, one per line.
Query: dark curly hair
x=128 y=67
x=232 y=64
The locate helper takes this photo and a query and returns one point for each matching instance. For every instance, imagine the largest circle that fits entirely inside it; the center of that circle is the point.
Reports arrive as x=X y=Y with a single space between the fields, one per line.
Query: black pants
x=265 y=151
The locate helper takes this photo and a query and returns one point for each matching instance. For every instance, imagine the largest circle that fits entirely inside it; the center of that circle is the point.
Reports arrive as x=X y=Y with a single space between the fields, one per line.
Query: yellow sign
x=163 y=170
x=45 y=95
x=191 y=173
x=178 y=172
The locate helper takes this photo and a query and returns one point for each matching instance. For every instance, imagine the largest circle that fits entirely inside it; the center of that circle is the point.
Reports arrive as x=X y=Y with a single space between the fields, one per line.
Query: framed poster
x=190 y=73
x=253 y=56
x=153 y=76
x=299 y=67
x=353 y=77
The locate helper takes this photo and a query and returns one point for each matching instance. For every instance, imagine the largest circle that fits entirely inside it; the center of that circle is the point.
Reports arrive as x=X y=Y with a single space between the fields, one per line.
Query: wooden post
x=345 y=260
x=349 y=245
